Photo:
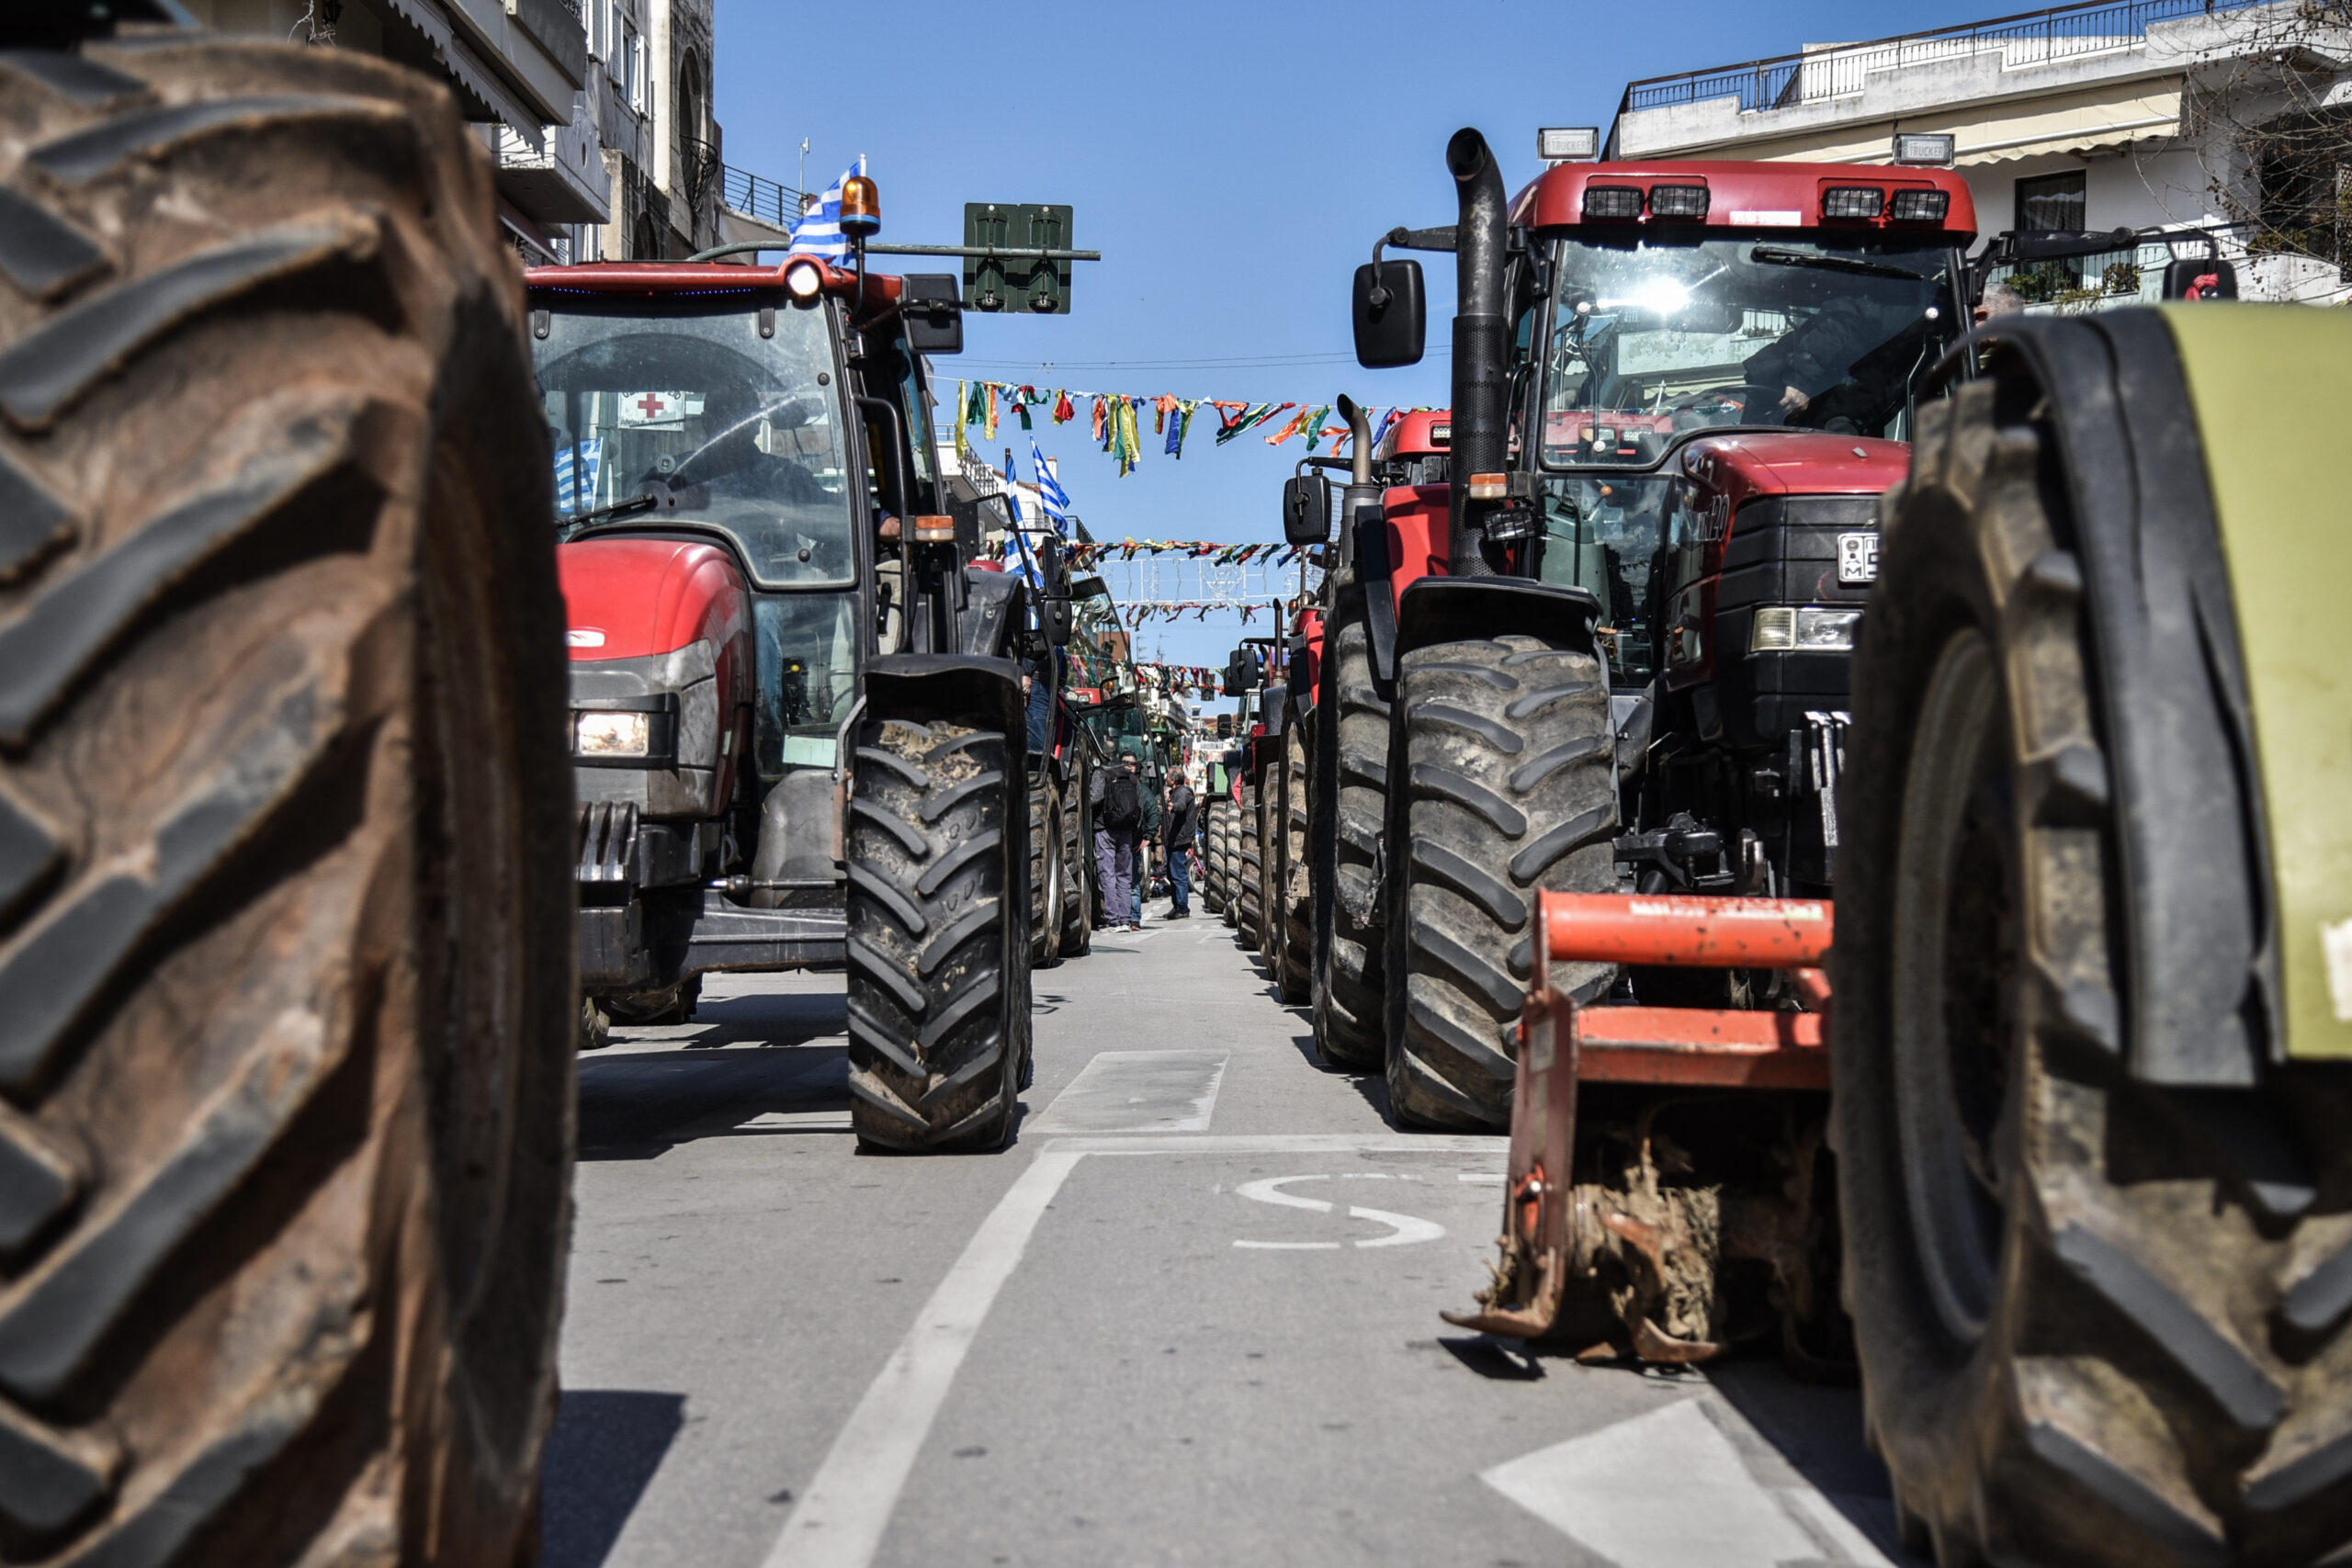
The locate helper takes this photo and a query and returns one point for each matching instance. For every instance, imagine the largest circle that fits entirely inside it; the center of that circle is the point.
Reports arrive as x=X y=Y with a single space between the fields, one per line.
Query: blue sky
x=1232 y=164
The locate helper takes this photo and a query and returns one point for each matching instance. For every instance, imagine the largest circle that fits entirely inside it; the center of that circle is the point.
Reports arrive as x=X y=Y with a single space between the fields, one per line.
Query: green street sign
x=1003 y=282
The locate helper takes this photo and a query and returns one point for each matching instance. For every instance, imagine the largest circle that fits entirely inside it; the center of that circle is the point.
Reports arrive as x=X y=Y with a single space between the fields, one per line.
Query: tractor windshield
x=692 y=415
x=1099 y=645
x=1817 y=332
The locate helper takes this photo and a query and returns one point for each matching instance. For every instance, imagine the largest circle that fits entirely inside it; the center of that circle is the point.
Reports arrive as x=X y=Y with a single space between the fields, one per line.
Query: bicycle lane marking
x=840 y=1519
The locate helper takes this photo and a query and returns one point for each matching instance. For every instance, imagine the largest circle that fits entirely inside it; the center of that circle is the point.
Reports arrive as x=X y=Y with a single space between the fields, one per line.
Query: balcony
x=2100 y=53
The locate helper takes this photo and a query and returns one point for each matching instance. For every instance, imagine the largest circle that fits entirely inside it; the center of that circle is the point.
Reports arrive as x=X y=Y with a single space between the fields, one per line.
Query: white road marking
x=840 y=1519
x=1629 y=1492
x=1138 y=1091
x=1482 y=1177
x=1409 y=1229
x=1404 y=1229
x=800 y=1121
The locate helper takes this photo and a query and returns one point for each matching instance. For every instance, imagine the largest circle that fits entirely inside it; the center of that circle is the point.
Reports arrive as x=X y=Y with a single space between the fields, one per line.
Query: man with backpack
x=1116 y=795
x=1183 y=811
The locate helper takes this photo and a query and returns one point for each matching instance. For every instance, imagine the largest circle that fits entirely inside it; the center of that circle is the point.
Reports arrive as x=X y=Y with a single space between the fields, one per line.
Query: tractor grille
x=607 y=840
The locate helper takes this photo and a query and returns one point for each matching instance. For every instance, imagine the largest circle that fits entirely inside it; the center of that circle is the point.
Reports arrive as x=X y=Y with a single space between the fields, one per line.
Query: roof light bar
x=1853 y=201
x=1618 y=202
x=1685 y=202
x=1921 y=206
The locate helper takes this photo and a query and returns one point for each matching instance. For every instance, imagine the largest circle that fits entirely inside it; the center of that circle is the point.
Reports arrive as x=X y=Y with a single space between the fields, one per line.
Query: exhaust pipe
x=1360 y=493
x=1481 y=341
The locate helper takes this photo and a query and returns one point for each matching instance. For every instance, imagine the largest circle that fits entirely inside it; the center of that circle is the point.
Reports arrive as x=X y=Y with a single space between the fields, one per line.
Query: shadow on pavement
x=641 y=1104
x=601 y=1457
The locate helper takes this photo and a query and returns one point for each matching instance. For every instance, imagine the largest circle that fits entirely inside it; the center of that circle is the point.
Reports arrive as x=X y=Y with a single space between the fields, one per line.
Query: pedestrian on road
x=1118 y=799
x=1183 y=811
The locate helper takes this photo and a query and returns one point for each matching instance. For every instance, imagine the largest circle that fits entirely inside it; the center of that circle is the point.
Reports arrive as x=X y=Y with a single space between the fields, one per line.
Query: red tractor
x=797 y=711
x=1609 y=653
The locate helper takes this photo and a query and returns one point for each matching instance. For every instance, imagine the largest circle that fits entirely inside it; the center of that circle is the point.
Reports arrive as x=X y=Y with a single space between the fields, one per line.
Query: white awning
x=472 y=73
x=2091 y=119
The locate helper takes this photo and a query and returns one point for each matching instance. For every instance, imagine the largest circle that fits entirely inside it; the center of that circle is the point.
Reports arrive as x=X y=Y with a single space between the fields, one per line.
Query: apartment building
x=596 y=112
x=2179 y=116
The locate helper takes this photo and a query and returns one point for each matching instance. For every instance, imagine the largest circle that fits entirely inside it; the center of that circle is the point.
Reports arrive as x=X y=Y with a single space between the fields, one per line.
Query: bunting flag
x=1114 y=420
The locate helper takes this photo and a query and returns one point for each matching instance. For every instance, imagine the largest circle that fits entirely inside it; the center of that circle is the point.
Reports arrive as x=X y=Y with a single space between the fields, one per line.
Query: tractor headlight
x=612 y=734
x=1774 y=631
x=1782 y=629
x=1827 y=630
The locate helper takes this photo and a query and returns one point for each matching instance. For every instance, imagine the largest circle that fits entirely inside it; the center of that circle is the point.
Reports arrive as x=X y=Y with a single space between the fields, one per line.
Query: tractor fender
x=991 y=615
x=2175 y=696
x=1454 y=609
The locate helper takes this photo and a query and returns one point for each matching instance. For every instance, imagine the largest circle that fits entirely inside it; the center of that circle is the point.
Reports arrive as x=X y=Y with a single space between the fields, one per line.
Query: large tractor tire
x=1212 y=857
x=1249 y=873
x=1229 y=859
x=1077 y=910
x=938 y=958
x=2096 y=1324
x=1502 y=763
x=287 y=987
x=1045 y=867
x=1349 y=987
x=1294 y=907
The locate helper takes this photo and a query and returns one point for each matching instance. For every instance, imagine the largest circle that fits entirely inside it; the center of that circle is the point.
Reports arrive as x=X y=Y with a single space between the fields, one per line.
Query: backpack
x=1122 y=800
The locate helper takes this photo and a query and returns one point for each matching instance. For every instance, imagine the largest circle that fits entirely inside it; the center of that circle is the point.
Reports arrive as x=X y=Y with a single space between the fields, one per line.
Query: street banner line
x=840 y=1522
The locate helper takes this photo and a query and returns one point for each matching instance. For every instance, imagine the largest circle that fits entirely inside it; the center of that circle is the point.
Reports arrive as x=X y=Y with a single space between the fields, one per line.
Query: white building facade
x=2147 y=115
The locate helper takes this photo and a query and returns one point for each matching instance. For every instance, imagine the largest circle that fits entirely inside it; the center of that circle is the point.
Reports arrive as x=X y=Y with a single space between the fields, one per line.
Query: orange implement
x=1717 y=1049
x=1695 y=933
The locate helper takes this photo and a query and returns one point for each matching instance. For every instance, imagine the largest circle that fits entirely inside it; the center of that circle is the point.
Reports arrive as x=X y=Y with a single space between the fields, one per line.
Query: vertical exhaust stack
x=1481 y=340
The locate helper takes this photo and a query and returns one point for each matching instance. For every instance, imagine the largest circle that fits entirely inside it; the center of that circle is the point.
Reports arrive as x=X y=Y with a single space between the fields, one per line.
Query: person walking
x=1184 y=812
x=1117 y=799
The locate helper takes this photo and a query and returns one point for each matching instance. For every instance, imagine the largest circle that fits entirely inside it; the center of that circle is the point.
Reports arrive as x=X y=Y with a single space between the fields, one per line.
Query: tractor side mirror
x=1055 y=603
x=935 y=313
x=1307 y=509
x=1391 y=315
x=1241 y=671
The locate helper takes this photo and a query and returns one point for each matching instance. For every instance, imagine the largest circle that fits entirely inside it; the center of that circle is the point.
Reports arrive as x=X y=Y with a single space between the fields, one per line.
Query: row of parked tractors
x=1552 y=787
x=1745 y=595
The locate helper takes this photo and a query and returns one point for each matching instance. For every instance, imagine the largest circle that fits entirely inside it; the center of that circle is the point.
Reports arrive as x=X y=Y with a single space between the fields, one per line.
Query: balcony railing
x=747 y=193
x=2032 y=38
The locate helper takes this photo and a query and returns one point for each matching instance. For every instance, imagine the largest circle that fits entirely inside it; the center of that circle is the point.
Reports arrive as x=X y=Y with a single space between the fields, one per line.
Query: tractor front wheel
x=1502 y=785
x=2090 y=1331
x=938 y=961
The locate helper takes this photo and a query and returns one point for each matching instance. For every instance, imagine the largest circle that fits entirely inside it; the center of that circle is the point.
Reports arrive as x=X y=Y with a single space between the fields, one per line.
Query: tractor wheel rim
x=1955 y=948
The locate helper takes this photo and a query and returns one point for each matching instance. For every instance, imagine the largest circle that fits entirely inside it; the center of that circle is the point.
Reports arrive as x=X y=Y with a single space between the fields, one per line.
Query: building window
x=2051 y=202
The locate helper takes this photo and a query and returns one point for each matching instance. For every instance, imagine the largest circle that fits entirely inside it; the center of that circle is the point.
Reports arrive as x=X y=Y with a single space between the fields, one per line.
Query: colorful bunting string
x=1115 y=419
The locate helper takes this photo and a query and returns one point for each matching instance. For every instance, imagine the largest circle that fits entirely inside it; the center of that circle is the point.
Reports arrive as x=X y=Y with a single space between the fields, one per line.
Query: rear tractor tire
x=1077 y=912
x=2090 y=1331
x=1228 y=856
x=1294 y=907
x=1212 y=858
x=1045 y=867
x=938 y=961
x=288 y=982
x=1249 y=870
x=1350 y=1001
x=1503 y=761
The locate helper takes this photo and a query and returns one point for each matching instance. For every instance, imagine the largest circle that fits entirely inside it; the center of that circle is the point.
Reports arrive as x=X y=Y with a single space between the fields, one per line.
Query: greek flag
x=575 y=478
x=818 y=232
x=1051 y=494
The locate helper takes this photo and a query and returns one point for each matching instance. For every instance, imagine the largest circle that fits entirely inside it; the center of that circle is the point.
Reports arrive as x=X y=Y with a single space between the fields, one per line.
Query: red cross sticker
x=652 y=405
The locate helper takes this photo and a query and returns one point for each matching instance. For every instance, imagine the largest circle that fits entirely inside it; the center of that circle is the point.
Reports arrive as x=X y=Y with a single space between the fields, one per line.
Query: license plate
x=1858 y=557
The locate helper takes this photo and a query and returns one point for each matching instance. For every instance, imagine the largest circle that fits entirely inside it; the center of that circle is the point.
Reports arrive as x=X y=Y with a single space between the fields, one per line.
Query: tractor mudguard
x=1372 y=569
x=924 y=686
x=2197 y=906
x=991 y=616
x=1449 y=609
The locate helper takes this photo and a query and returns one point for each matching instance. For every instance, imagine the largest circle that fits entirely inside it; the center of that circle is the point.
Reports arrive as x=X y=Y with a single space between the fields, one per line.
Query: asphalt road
x=1191 y=1318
